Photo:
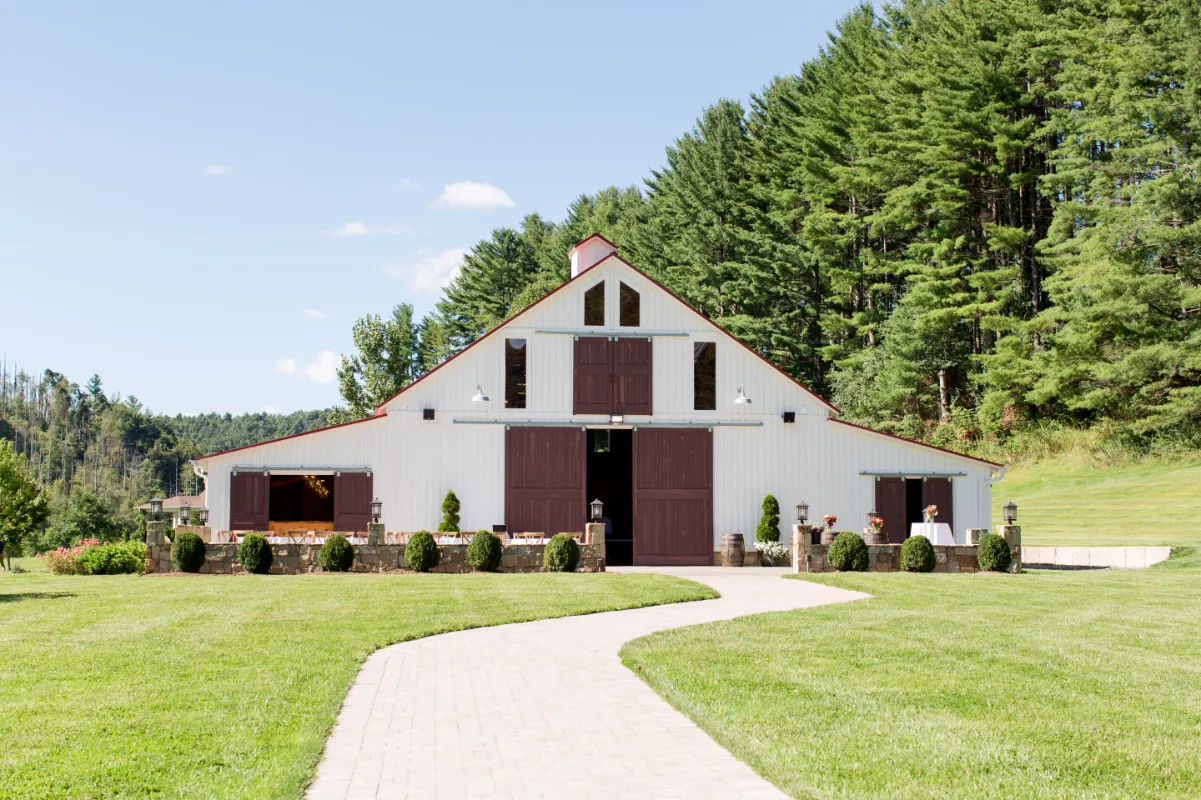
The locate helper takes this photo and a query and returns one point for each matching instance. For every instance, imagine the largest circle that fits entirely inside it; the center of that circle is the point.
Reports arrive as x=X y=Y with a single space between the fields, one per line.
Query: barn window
x=631 y=304
x=704 y=376
x=514 y=373
x=594 y=305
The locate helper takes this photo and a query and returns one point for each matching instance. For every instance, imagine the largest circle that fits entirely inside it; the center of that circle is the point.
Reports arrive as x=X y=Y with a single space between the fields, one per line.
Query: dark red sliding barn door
x=890 y=507
x=673 y=497
x=352 y=501
x=249 y=495
x=545 y=480
x=632 y=376
x=593 y=376
x=937 y=491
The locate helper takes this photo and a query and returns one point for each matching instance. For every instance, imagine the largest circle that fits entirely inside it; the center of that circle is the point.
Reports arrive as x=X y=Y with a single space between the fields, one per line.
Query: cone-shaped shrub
x=255 y=554
x=187 y=552
x=562 y=554
x=450 y=514
x=993 y=554
x=336 y=555
x=917 y=555
x=769 y=522
x=848 y=553
x=421 y=553
x=484 y=551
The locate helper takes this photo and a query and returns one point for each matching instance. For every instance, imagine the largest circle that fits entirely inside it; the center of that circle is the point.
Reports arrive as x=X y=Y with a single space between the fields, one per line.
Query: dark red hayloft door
x=890 y=507
x=673 y=497
x=352 y=501
x=593 y=376
x=545 y=480
x=632 y=376
x=249 y=496
x=937 y=491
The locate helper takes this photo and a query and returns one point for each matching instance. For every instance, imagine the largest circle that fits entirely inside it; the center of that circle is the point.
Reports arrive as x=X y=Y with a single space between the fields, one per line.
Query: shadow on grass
x=16 y=597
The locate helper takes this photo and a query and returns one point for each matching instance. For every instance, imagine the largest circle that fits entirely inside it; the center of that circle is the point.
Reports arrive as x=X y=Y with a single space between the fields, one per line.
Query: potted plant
x=772 y=554
x=875 y=531
x=828 y=535
x=930 y=512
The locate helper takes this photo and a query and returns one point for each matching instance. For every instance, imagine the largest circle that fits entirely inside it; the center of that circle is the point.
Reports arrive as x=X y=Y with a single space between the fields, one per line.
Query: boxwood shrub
x=484 y=551
x=917 y=555
x=993 y=554
x=114 y=558
x=255 y=554
x=421 y=553
x=562 y=554
x=187 y=552
x=336 y=555
x=848 y=553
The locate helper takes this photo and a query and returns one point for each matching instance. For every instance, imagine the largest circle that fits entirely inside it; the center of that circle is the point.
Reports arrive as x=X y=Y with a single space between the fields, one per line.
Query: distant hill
x=213 y=433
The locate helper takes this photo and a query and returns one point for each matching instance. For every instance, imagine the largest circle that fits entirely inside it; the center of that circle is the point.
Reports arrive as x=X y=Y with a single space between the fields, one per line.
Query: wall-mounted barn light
x=480 y=397
x=742 y=399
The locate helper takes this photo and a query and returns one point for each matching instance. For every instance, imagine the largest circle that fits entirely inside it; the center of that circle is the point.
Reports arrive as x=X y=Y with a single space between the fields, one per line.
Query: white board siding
x=415 y=461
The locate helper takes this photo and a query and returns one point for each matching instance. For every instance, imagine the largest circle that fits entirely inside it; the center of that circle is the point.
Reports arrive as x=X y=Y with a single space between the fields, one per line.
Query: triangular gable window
x=594 y=305
x=631 y=307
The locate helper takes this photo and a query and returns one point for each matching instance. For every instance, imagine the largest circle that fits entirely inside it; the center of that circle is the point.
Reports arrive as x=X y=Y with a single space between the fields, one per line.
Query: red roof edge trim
x=289 y=436
x=583 y=242
x=919 y=444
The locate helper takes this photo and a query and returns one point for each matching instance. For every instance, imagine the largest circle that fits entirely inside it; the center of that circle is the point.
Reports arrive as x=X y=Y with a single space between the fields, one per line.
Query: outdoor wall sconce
x=742 y=399
x=1010 y=510
x=156 y=508
x=802 y=513
x=377 y=508
x=185 y=513
x=202 y=516
x=480 y=397
x=598 y=509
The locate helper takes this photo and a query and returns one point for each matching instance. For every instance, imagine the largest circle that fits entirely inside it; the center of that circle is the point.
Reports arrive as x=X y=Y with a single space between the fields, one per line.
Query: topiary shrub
x=769 y=522
x=848 y=553
x=255 y=554
x=917 y=555
x=336 y=555
x=421 y=553
x=450 y=514
x=562 y=554
x=484 y=551
x=993 y=554
x=187 y=552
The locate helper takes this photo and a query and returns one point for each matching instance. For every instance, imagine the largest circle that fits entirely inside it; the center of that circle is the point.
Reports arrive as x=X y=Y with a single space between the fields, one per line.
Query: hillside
x=1070 y=500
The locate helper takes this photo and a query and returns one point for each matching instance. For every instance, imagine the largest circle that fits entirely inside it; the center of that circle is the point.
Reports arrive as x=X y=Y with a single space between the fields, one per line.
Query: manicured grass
x=1072 y=500
x=196 y=686
x=1041 y=685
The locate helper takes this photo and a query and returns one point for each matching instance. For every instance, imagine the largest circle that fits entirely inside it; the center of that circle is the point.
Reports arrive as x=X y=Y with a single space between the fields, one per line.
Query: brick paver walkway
x=544 y=709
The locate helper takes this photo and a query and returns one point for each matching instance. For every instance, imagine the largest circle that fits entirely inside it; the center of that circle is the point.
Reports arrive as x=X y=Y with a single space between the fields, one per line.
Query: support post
x=375 y=533
x=1012 y=534
x=594 y=534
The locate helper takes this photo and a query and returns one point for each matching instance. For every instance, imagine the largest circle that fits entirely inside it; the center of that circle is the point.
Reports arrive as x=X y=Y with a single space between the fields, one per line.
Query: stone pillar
x=594 y=532
x=375 y=533
x=1012 y=534
x=800 y=542
x=156 y=532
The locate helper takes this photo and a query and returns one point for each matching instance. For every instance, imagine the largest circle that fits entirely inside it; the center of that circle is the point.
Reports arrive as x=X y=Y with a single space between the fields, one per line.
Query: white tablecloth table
x=936 y=532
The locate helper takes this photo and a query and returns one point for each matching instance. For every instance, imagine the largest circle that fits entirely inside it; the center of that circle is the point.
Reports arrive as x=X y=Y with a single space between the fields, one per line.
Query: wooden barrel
x=732 y=552
x=828 y=536
x=873 y=536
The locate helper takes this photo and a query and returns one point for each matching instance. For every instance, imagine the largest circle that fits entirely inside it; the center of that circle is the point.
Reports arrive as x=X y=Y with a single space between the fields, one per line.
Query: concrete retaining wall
x=1112 y=557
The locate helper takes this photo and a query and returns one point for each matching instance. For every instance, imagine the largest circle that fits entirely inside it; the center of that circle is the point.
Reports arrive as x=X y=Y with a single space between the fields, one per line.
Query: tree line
x=970 y=215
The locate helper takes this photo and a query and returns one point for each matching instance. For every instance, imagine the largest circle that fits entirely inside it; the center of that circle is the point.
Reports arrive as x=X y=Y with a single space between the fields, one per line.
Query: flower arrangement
x=931 y=511
x=877 y=523
x=772 y=552
x=829 y=521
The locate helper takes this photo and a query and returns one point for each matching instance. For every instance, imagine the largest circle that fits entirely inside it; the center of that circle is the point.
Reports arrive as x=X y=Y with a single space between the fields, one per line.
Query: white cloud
x=430 y=270
x=359 y=228
x=322 y=369
x=472 y=196
x=218 y=169
x=313 y=313
x=409 y=183
x=270 y=410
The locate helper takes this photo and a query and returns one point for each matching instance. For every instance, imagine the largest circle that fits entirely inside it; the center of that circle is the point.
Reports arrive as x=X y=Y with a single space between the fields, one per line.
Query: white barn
x=610 y=387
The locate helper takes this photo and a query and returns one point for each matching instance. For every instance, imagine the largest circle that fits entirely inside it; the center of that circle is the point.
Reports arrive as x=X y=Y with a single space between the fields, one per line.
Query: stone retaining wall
x=1096 y=557
x=887 y=557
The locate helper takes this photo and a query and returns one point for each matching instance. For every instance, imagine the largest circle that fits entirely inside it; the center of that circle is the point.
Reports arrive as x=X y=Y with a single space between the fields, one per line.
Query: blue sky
x=197 y=203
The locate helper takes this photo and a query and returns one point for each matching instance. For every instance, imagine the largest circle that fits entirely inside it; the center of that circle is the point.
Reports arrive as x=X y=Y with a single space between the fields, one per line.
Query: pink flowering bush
x=65 y=560
x=92 y=557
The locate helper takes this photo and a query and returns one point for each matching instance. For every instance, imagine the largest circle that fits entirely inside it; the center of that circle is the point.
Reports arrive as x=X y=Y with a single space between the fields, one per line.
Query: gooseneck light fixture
x=742 y=399
x=479 y=397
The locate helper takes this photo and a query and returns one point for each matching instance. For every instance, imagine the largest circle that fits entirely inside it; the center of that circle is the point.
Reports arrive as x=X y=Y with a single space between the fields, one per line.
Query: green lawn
x=1069 y=500
x=1040 y=685
x=196 y=686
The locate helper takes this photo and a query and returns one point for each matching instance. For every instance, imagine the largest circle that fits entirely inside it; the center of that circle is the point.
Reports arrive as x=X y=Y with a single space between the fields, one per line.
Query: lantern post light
x=597 y=509
x=185 y=513
x=802 y=512
x=156 y=508
x=377 y=509
x=871 y=515
x=1010 y=510
x=202 y=516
